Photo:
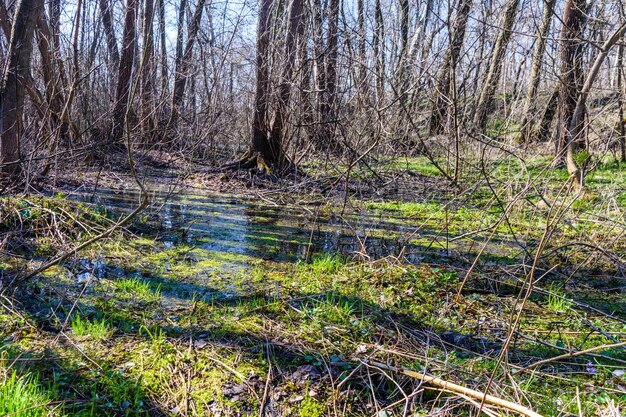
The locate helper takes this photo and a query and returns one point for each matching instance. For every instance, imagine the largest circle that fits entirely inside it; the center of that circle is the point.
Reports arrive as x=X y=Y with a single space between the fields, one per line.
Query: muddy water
x=260 y=229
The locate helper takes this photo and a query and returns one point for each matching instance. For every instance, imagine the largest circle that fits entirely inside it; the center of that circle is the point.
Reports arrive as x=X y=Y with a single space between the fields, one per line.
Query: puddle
x=238 y=231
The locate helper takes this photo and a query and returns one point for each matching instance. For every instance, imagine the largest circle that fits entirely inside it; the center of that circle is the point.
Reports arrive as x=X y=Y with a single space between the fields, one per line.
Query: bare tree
x=107 y=22
x=530 y=107
x=329 y=94
x=262 y=151
x=485 y=102
x=183 y=65
x=13 y=85
x=571 y=73
x=125 y=72
x=575 y=131
x=448 y=67
x=147 y=70
x=294 y=35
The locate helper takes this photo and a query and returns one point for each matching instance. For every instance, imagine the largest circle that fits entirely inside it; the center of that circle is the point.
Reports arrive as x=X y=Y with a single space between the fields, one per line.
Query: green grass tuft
x=97 y=329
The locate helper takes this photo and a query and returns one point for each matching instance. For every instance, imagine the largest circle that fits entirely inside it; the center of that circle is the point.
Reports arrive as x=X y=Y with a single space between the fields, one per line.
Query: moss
x=311 y=408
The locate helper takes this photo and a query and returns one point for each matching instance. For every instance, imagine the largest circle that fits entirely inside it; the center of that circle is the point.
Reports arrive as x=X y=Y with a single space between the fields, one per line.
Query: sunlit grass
x=96 y=329
x=22 y=396
x=139 y=289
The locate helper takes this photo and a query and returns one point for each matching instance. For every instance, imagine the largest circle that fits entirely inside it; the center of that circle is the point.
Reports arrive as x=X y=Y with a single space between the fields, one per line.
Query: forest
x=312 y=208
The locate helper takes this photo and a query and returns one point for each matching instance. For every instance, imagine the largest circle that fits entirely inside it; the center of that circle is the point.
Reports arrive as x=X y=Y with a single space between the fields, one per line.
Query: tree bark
x=329 y=95
x=530 y=107
x=362 y=72
x=294 y=35
x=575 y=131
x=164 y=75
x=52 y=81
x=266 y=154
x=571 y=73
x=107 y=22
x=485 y=102
x=183 y=66
x=125 y=72
x=621 y=123
x=542 y=132
x=147 y=71
x=12 y=89
x=441 y=100
x=5 y=23
x=379 y=52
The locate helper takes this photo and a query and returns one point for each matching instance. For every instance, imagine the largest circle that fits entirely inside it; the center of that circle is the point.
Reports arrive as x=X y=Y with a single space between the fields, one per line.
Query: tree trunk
x=442 y=90
x=12 y=89
x=60 y=125
x=571 y=74
x=294 y=35
x=147 y=71
x=528 y=114
x=542 y=132
x=266 y=154
x=404 y=46
x=107 y=22
x=5 y=23
x=575 y=132
x=362 y=72
x=485 y=102
x=621 y=123
x=162 y=45
x=329 y=95
x=183 y=66
x=379 y=52
x=125 y=72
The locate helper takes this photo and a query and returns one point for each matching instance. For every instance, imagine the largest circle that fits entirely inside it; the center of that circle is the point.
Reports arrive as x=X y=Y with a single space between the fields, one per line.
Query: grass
x=201 y=327
x=557 y=301
x=139 y=289
x=97 y=329
x=22 y=396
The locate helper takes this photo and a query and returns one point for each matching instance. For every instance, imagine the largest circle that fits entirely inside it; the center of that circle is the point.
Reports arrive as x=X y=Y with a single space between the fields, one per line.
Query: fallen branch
x=460 y=390
x=103 y=235
x=571 y=355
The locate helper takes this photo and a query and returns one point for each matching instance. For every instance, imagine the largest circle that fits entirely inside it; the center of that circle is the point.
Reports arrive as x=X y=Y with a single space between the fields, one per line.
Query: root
x=255 y=162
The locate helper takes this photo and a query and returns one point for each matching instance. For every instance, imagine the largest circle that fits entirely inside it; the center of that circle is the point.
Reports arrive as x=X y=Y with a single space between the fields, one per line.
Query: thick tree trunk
x=571 y=74
x=12 y=88
x=441 y=99
x=379 y=52
x=125 y=72
x=402 y=64
x=528 y=115
x=266 y=154
x=362 y=71
x=60 y=126
x=575 y=132
x=485 y=102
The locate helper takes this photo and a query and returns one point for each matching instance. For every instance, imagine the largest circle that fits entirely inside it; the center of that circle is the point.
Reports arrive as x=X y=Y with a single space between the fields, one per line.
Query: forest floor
x=237 y=295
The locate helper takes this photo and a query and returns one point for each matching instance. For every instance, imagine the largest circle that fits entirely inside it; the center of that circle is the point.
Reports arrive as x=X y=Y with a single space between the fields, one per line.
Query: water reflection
x=222 y=223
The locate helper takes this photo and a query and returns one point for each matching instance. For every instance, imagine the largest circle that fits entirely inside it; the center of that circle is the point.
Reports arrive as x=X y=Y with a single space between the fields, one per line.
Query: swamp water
x=252 y=229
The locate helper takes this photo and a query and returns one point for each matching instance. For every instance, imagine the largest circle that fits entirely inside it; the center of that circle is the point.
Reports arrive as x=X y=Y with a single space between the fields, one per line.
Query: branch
x=460 y=390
